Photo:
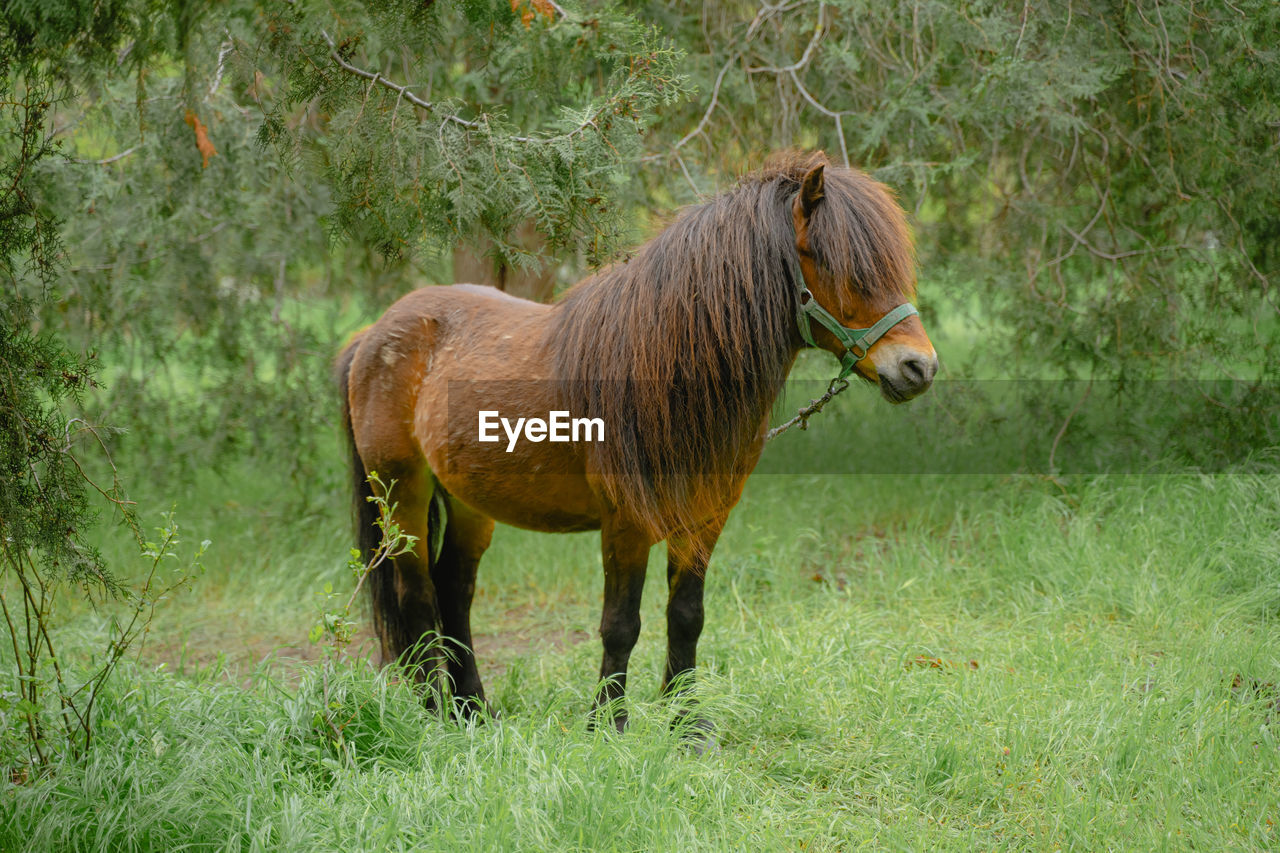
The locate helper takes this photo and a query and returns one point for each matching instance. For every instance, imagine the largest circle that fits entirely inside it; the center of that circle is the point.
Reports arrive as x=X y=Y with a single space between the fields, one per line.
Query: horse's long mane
x=683 y=348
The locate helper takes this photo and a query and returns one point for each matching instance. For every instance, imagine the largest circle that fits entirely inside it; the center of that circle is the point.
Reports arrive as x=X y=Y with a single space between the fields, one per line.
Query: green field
x=1037 y=608
x=911 y=662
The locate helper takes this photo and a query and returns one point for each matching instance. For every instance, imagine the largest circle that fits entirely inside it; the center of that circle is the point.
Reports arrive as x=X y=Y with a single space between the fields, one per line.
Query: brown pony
x=680 y=351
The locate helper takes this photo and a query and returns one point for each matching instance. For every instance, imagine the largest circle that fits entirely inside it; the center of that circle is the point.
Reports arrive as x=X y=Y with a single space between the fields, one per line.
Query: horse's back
x=439 y=313
x=419 y=332
x=421 y=374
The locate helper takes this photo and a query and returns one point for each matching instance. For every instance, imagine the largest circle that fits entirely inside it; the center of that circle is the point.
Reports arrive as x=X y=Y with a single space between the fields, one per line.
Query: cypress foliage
x=431 y=122
x=1101 y=173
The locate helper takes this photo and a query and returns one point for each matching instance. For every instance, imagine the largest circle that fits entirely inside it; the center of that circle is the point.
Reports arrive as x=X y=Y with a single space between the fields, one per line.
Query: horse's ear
x=811 y=190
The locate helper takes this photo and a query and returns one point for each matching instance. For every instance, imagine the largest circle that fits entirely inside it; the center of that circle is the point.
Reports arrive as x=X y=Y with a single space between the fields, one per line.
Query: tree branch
x=818 y=30
x=403 y=91
x=108 y=160
x=377 y=79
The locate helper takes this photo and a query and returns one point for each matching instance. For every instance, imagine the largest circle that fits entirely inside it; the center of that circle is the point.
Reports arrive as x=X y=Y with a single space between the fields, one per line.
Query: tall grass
x=909 y=662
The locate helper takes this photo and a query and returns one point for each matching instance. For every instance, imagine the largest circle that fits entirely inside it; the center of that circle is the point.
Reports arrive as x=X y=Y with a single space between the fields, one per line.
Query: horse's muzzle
x=909 y=374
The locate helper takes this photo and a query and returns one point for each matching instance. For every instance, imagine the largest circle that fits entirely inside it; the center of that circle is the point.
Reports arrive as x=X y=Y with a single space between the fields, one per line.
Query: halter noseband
x=856 y=341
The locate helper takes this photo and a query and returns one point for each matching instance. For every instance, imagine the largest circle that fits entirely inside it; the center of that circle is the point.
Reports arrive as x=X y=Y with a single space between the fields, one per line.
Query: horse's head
x=858 y=264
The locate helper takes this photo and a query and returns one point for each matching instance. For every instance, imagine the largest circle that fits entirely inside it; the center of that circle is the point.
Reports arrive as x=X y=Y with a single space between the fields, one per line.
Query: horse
x=679 y=351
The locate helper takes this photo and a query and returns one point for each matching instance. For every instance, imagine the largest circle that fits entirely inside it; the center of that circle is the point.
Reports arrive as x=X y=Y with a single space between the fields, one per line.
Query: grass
x=900 y=662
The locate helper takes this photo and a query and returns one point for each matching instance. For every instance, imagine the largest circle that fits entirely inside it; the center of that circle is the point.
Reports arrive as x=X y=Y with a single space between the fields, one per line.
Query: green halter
x=856 y=341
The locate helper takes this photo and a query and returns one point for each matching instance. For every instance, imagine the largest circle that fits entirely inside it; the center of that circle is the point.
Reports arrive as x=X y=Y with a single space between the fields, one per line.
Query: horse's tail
x=387 y=621
x=368 y=534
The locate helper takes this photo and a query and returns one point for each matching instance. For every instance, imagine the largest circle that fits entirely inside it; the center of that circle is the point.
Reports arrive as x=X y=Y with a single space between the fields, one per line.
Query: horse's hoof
x=698 y=733
x=600 y=718
x=471 y=709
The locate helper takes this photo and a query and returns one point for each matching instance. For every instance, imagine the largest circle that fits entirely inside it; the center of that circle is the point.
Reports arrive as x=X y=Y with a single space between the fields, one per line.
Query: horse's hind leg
x=405 y=607
x=467 y=535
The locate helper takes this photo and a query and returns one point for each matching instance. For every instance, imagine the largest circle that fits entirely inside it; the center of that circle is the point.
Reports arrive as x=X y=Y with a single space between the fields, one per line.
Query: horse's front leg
x=687 y=557
x=625 y=552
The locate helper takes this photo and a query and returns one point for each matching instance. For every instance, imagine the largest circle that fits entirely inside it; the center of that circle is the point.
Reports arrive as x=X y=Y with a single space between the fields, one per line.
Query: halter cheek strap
x=856 y=342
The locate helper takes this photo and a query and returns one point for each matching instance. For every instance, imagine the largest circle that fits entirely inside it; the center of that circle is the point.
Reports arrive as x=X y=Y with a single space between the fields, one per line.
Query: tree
x=1102 y=172
x=44 y=491
x=249 y=162
x=435 y=121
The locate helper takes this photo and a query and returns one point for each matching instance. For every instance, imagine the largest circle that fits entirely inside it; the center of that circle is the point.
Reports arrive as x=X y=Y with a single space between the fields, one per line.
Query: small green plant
x=335 y=628
x=39 y=669
x=335 y=625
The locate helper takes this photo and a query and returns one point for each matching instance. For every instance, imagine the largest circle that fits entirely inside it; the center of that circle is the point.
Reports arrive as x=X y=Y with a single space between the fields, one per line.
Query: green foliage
x=184 y=274
x=1104 y=171
x=205 y=281
x=435 y=121
x=335 y=625
x=42 y=495
x=45 y=511
x=1091 y=183
x=69 y=32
